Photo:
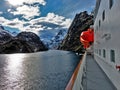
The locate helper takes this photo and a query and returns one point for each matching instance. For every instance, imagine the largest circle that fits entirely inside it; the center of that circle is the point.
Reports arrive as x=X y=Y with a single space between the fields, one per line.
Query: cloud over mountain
x=51 y=21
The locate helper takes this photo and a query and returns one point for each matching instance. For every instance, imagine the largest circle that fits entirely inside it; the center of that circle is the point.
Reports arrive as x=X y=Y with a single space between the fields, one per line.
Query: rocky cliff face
x=24 y=42
x=71 y=42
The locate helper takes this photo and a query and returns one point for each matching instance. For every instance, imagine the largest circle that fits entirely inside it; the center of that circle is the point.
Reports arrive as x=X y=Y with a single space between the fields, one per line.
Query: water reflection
x=14 y=70
x=15 y=61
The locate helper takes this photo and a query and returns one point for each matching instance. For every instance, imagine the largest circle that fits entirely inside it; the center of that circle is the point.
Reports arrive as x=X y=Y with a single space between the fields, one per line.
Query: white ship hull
x=107 y=38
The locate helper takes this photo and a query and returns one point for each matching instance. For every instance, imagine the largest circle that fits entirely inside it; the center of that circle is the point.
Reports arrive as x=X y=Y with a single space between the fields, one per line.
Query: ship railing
x=77 y=80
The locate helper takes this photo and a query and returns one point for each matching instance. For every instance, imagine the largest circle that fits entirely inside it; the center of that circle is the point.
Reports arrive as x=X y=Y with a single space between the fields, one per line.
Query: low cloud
x=28 y=12
x=21 y=2
x=26 y=8
x=55 y=19
x=51 y=21
x=15 y=23
x=1 y=12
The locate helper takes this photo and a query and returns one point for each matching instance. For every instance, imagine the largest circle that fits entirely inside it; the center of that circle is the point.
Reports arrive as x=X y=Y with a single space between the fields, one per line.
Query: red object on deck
x=87 y=37
x=117 y=67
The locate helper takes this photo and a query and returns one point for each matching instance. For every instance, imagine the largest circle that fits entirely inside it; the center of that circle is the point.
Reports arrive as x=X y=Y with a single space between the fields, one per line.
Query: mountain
x=47 y=35
x=13 y=31
x=52 y=38
x=71 y=42
x=1 y=28
x=23 y=42
x=55 y=42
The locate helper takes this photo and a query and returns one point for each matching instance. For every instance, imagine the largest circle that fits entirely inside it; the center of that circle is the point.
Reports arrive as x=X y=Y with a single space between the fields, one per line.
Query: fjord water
x=49 y=70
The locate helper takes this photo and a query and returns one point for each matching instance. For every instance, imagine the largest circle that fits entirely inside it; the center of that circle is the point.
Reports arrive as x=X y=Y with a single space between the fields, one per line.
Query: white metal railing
x=78 y=84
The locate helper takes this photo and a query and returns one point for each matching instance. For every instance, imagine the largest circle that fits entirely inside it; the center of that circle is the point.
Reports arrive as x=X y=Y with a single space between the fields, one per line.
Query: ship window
x=99 y=23
x=97 y=27
x=99 y=52
x=104 y=53
x=103 y=15
x=112 y=55
x=110 y=3
x=96 y=51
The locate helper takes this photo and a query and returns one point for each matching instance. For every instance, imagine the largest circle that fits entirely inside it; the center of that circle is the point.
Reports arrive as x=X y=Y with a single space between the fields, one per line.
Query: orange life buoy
x=87 y=37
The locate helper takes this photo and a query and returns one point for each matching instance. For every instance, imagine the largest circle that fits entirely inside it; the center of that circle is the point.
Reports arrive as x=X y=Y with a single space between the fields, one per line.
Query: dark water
x=50 y=70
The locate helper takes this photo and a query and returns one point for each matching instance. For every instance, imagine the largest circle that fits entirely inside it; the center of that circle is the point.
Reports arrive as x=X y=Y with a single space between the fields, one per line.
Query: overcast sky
x=41 y=14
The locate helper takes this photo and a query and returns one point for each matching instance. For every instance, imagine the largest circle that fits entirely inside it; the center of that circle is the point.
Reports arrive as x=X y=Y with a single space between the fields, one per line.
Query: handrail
x=78 y=73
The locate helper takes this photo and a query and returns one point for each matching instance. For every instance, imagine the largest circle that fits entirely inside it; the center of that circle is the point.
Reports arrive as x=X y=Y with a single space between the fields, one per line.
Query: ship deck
x=89 y=76
x=96 y=79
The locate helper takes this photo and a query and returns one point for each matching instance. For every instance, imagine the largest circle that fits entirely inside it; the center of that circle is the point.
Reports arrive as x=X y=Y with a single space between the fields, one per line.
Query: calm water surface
x=49 y=70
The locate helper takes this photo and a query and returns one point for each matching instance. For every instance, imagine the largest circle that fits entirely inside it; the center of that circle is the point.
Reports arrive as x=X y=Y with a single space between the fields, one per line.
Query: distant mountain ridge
x=52 y=38
x=57 y=40
x=12 y=31
x=23 y=42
